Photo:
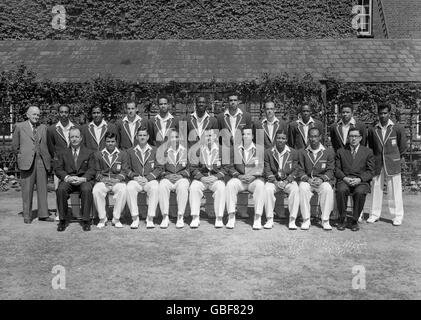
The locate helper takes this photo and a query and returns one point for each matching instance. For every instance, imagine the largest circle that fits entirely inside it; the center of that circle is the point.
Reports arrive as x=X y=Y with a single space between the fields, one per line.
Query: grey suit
x=33 y=161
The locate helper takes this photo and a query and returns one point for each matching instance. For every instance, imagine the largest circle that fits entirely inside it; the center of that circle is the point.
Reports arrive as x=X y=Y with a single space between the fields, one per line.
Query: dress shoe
x=326 y=225
x=372 y=219
x=47 y=219
x=28 y=221
x=355 y=227
x=135 y=223
x=291 y=224
x=341 y=226
x=165 y=221
x=257 y=224
x=61 y=226
x=180 y=222
x=231 y=221
x=195 y=223
x=116 y=223
x=305 y=225
x=149 y=223
x=102 y=223
x=396 y=222
x=86 y=226
x=219 y=223
x=268 y=224
x=361 y=218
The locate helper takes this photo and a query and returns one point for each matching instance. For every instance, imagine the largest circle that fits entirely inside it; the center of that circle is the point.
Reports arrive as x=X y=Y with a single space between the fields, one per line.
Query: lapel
x=79 y=158
x=59 y=131
x=286 y=157
x=163 y=131
x=139 y=156
x=103 y=131
x=310 y=155
x=127 y=129
x=275 y=128
x=339 y=130
x=301 y=130
x=92 y=132
x=274 y=156
x=238 y=119
x=227 y=122
x=138 y=124
x=113 y=160
x=193 y=121
x=28 y=130
x=358 y=156
x=246 y=161
x=265 y=128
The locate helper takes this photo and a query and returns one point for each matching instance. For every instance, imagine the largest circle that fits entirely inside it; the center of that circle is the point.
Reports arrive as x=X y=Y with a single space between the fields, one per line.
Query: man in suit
x=354 y=169
x=111 y=168
x=144 y=171
x=174 y=177
x=339 y=130
x=298 y=130
x=271 y=125
x=246 y=174
x=316 y=174
x=162 y=123
x=127 y=127
x=34 y=161
x=281 y=169
x=75 y=167
x=93 y=133
x=388 y=142
x=208 y=173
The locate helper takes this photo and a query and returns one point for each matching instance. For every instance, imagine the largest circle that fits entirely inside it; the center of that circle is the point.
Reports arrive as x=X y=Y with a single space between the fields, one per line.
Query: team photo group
x=225 y=155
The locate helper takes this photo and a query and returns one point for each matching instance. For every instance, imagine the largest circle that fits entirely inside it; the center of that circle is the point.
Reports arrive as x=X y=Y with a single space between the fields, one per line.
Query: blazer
x=338 y=141
x=323 y=167
x=289 y=168
x=89 y=139
x=269 y=141
x=240 y=166
x=180 y=166
x=23 y=142
x=224 y=123
x=361 y=167
x=155 y=129
x=148 y=168
x=117 y=169
x=126 y=140
x=55 y=140
x=192 y=127
x=85 y=166
x=200 y=167
x=296 y=133
x=387 y=152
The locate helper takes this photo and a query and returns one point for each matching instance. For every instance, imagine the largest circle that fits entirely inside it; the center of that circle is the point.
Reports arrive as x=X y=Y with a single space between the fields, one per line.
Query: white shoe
x=372 y=219
x=292 y=225
x=135 y=223
x=195 y=222
x=149 y=223
x=257 y=225
x=326 y=225
x=397 y=222
x=116 y=223
x=165 y=222
x=180 y=222
x=102 y=223
x=231 y=221
x=219 y=223
x=57 y=218
x=268 y=224
x=305 y=225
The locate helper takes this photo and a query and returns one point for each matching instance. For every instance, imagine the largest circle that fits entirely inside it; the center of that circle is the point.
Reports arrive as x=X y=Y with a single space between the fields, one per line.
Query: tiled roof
x=349 y=60
x=403 y=18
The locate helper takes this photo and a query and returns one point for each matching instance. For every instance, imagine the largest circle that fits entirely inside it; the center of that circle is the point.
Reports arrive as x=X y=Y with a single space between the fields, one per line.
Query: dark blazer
x=239 y=166
x=200 y=169
x=126 y=141
x=85 y=167
x=361 y=167
x=181 y=166
x=338 y=141
x=89 y=139
x=289 y=168
x=117 y=169
x=387 y=152
x=296 y=133
x=150 y=168
x=55 y=140
x=269 y=142
x=323 y=167
x=155 y=126
x=191 y=122
x=224 y=124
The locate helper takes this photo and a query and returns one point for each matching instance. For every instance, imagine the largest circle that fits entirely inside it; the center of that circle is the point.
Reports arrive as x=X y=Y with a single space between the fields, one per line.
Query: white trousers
x=99 y=193
x=293 y=198
x=326 y=199
x=181 y=188
x=196 y=193
x=151 y=188
x=257 y=187
x=394 y=189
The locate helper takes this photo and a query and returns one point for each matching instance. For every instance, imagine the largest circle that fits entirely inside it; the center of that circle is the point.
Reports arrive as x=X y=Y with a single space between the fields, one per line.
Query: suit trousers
x=358 y=196
x=326 y=197
x=293 y=198
x=37 y=174
x=394 y=188
x=101 y=190
x=62 y=193
x=151 y=188
x=181 y=188
x=257 y=187
x=196 y=193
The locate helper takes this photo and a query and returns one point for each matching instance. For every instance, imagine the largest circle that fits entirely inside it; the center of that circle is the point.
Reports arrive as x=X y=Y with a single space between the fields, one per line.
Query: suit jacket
x=157 y=131
x=85 y=166
x=89 y=139
x=179 y=166
x=289 y=168
x=117 y=169
x=269 y=141
x=336 y=136
x=361 y=167
x=224 y=124
x=323 y=167
x=55 y=140
x=23 y=142
x=252 y=166
x=296 y=133
x=204 y=166
x=149 y=168
x=387 y=152
x=192 y=127
x=126 y=140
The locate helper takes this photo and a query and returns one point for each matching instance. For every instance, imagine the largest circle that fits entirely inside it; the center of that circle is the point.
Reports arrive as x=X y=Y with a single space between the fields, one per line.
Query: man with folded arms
x=111 y=170
x=281 y=168
x=209 y=174
x=144 y=172
x=316 y=174
x=354 y=169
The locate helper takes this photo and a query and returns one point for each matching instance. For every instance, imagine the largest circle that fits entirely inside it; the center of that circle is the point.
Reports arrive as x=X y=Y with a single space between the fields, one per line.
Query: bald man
x=34 y=161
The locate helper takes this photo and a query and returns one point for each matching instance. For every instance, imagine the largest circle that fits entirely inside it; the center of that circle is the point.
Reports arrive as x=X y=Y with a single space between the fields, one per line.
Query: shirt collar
x=213 y=147
x=148 y=147
x=352 y=121
x=106 y=151
x=137 y=118
x=286 y=149
x=321 y=148
x=69 y=125
x=251 y=147
x=309 y=121
x=73 y=149
x=236 y=113
x=167 y=117
x=103 y=123
x=356 y=148
x=194 y=115
x=273 y=122
x=180 y=148
x=389 y=123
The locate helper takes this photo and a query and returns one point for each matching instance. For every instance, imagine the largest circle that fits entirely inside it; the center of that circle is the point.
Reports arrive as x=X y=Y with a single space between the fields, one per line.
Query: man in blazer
x=388 y=142
x=246 y=173
x=144 y=171
x=298 y=131
x=316 y=174
x=339 y=130
x=281 y=169
x=162 y=124
x=271 y=125
x=208 y=173
x=111 y=171
x=127 y=127
x=93 y=133
x=354 y=169
x=174 y=177
x=34 y=161
x=75 y=167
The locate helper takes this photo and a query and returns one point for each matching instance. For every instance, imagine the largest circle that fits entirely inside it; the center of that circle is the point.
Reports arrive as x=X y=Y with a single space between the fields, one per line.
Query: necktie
x=75 y=156
x=353 y=153
x=34 y=132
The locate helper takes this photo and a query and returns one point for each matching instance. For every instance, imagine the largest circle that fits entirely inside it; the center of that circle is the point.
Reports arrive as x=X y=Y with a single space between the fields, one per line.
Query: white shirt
x=315 y=152
x=306 y=126
x=270 y=126
x=233 y=119
x=77 y=152
x=144 y=150
x=356 y=148
x=384 y=129
x=163 y=123
x=132 y=125
x=346 y=127
x=200 y=122
x=174 y=154
x=281 y=155
x=248 y=153
x=65 y=130
x=110 y=155
x=208 y=153
x=98 y=130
